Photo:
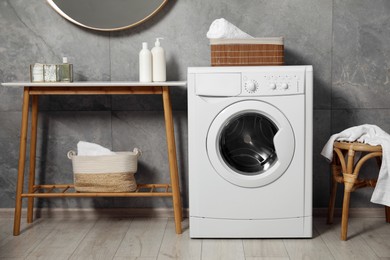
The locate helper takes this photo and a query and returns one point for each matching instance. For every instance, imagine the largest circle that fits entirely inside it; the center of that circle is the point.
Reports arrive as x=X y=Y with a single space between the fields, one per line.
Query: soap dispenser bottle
x=145 y=64
x=159 y=67
x=65 y=71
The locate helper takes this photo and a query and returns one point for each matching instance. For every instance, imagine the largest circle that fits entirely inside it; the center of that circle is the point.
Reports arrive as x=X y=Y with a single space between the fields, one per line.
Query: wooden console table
x=35 y=90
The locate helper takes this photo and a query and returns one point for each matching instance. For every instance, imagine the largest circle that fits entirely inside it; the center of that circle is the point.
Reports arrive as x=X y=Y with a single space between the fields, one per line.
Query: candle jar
x=36 y=72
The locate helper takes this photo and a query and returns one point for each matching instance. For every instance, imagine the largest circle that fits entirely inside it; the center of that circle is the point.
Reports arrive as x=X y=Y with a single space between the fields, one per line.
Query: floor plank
x=143 y=238
x=267 y=258
x=63 y=240
x=264 y=248
x=375 y=232
x=223 y=249
x=103 y=240
x=181 y=247
x=30 y=237
x=132 y=258
x=306 y=248
x=354 y=248
x=6 y=225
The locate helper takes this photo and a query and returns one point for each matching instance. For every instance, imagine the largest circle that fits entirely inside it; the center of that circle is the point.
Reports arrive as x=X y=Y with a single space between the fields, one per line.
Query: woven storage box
x=247 y=52
x=105 y=173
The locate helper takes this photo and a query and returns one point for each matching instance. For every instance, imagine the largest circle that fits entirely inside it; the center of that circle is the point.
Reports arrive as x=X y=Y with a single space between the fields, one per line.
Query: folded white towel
x=222 y=29
x=92 y=149
x=373 y=135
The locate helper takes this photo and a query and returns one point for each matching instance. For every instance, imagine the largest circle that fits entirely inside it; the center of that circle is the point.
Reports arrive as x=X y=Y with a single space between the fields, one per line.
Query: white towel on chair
x=372 y=135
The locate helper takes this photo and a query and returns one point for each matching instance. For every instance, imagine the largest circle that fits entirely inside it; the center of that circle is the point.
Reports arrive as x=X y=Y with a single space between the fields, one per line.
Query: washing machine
x=250 y=151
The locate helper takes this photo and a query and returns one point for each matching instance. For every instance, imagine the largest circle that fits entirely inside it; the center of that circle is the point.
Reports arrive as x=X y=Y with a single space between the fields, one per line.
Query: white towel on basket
x=372 y=135
x=222 y=29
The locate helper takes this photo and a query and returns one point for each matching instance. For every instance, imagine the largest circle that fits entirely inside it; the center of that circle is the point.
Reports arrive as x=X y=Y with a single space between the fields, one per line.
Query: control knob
x=284 y=86
x=251 y=86
x=272 y=86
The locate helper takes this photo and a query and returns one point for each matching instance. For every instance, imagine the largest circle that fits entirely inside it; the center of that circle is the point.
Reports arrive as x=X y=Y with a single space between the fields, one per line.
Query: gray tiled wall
x=345 y=40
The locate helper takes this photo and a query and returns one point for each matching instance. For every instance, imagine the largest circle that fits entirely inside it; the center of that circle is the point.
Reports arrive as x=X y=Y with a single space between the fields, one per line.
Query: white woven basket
x=105 y=173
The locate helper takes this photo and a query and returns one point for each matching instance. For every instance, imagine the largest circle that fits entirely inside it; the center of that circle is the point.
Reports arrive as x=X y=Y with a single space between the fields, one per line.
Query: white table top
x=94 y=84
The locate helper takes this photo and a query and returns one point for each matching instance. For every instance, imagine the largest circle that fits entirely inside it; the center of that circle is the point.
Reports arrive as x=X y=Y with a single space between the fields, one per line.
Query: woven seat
x=345 y=170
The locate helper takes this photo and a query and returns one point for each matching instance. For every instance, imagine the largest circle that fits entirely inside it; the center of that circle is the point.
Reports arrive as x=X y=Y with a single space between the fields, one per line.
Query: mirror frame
x=58 y=10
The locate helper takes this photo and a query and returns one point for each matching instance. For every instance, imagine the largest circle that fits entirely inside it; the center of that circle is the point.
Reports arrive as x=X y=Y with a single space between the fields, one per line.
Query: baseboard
x=353 y=212
x=161 y=212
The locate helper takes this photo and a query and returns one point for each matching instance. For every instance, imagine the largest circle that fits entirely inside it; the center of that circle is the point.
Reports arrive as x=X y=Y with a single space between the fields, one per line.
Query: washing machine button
x=251 y=86
x=284 y=86
x=272 y=86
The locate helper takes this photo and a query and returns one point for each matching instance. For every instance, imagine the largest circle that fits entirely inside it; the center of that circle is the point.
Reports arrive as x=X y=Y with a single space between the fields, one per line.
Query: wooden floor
x=155 y=238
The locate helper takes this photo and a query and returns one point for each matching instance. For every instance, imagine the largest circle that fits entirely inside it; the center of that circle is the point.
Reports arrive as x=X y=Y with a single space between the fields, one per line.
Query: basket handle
x=137 y=151
x=71 y=153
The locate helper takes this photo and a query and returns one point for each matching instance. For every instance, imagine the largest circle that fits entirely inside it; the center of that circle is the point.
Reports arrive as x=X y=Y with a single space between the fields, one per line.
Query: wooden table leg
x=33 y=145
x=22 y=160
x=387 y=210
x=172 y=159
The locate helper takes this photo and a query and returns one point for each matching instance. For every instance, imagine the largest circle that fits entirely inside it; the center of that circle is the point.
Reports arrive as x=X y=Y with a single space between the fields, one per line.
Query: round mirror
x=104 y=15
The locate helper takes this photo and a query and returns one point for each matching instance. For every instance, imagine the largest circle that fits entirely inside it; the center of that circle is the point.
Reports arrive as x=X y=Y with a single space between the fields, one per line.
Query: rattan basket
x=247 y=52
x=105 y=173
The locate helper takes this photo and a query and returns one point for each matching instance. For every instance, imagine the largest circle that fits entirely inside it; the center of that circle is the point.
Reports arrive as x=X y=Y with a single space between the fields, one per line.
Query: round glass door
x=250 y=143
x=246 y=143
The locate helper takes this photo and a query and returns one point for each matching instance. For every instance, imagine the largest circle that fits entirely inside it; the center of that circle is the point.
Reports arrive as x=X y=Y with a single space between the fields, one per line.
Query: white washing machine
x=250 y=151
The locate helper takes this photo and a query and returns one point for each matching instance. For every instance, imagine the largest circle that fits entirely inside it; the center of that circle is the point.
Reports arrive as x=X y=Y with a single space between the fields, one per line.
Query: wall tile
x=9 y=154
x=10 y=125
x=345 y=118
x=321 y=167
x=10 y=98
x=361 y=54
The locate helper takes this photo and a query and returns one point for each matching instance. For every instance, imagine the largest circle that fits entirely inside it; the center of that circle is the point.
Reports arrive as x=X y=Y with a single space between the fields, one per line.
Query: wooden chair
x=346 y=171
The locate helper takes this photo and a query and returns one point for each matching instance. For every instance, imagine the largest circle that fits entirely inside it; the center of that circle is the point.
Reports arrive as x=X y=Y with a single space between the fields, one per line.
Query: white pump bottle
x=145 y=64
x=159 y=66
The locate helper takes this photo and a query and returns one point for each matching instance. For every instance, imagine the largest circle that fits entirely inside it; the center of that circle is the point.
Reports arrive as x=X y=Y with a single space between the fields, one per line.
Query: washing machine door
x=250 y=143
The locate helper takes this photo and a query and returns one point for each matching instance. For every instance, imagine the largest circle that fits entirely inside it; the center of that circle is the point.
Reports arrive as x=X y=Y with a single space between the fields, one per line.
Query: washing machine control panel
x=272 y=84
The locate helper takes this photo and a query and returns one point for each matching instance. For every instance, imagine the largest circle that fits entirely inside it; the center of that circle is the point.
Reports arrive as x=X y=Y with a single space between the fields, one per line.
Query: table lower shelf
x=67 y=190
